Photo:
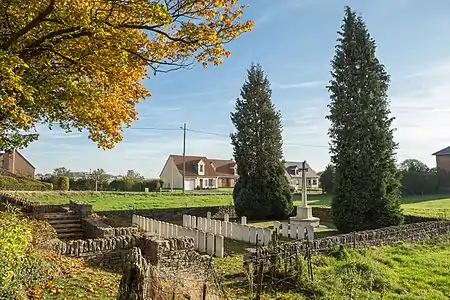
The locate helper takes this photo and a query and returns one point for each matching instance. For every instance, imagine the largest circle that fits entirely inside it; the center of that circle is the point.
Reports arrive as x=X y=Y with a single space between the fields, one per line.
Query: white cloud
x=306 y=84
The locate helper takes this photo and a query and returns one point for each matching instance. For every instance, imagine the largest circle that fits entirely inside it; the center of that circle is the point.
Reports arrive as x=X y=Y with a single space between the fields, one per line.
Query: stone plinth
x=304 y=219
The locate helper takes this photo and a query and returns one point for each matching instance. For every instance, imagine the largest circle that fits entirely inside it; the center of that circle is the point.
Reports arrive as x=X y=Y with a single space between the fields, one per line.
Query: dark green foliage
x=83 y=184
x=62 y=183
x=262 y=190
x=362 y=144
x=326 y=179
x=417 y=178
x=8 y=183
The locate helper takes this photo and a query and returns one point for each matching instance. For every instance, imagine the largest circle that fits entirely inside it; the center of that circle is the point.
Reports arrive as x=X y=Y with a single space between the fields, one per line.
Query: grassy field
x=430 y=205
x=404 y=271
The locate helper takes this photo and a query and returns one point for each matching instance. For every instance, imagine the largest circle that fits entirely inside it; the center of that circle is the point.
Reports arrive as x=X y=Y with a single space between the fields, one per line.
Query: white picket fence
x=204 y=242
x=235 y=231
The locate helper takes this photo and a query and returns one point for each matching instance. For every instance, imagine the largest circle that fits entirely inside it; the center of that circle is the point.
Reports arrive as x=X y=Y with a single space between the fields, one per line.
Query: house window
x=200 y=168
x=309 y=181
x=211 y=182
x=314 y=181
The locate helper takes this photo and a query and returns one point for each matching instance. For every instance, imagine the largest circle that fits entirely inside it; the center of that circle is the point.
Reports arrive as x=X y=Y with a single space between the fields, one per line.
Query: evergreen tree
x=326 y=179
x=362 y=143
x=262 y=190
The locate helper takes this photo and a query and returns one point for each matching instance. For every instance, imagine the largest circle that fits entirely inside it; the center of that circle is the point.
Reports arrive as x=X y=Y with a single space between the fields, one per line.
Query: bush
x=20 y=267
x=23 y=184
x=62 y=183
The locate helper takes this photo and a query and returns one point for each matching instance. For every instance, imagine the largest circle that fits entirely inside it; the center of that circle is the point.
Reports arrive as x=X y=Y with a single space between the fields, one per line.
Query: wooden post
x=204 y=292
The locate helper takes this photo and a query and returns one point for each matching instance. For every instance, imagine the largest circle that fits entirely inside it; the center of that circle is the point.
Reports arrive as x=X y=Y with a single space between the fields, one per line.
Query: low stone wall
x=167 y=254
x=383 y=236
x=97 y=229
x=173 y=214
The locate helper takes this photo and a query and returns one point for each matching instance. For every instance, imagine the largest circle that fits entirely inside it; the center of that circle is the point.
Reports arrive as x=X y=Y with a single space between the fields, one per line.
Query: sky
x=294 y=41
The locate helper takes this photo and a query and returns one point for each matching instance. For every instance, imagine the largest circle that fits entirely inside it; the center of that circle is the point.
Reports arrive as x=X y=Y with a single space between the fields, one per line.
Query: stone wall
x=383 y=236
x=172 y=214
x=167 y=254
x=97 y=229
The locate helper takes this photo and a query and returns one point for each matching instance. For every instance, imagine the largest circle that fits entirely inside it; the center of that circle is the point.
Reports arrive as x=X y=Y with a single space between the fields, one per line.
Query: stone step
x=56 y=216
x=62 y=221
x=69 y=229
x=71 y=235
x=58 y=226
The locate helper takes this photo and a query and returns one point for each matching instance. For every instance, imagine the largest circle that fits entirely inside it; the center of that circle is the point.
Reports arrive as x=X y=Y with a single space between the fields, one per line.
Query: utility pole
x=184 y=154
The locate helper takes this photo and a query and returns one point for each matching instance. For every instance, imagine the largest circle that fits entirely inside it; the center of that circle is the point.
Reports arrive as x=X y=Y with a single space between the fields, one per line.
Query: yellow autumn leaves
x=80 y=63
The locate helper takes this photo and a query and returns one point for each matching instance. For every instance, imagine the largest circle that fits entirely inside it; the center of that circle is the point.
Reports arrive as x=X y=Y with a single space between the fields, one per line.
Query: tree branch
x=29 y=26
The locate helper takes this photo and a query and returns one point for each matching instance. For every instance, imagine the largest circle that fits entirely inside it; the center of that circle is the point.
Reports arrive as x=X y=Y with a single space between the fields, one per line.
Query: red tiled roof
x=222 y=167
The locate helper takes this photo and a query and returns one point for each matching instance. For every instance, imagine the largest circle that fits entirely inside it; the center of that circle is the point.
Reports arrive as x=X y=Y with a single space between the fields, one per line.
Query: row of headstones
x=293 y=231
x=204 y=242
x=235 y=231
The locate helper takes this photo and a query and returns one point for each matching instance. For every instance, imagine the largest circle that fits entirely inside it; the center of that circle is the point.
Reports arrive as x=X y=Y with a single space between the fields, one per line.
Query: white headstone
x=260 y=235
x=194 y=222
x=245 y=233
x=146 y=190
x=226 y=218
x=301 y=231
x=252 y=232
x=293 y=231
x=218 y=229
x=200 y=223
x=310 y=230
x=276 y=226
x=285 y=229
x=225 y=229
x=188 y=221
x=236 y=231
x=184 y=220
x=152 y=226
x=159 y=228
x=175 y=230
x=229 y=230
x=196 y=236
x=210 y=243
x=208 y=215
x=133 y=220
x=244 y=220
x=202 y=241
x=267 y=236
x=172 y=231
x=219 y=246
x=213 y=226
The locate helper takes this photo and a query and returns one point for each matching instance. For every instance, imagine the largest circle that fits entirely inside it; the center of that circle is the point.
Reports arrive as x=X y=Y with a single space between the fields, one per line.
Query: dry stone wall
x=97 y=229
x=383 y=236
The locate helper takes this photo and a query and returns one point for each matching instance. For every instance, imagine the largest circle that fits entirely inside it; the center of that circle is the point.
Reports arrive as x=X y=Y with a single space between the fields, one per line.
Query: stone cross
x=304 y=169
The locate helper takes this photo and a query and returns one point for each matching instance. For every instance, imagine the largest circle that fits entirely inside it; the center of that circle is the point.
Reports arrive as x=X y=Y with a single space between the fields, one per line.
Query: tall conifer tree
x=262 y=190
x=362 y=143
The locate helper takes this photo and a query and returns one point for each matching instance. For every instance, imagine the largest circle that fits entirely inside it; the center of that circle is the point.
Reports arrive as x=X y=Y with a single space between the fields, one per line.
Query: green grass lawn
x=404 y=271
x=430 y=205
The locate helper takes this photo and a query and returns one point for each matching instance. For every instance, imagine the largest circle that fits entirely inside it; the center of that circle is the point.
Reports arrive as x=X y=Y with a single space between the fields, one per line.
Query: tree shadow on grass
x=423 y=198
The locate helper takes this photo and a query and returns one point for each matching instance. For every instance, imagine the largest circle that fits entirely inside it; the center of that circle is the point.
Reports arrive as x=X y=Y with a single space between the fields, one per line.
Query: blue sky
x=294 y=41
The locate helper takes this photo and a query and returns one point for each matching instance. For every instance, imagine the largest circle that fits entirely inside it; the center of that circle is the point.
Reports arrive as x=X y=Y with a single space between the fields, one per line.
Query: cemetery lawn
x=404 y=271
x=123 y=200
x=429 y=205
x=437 y=205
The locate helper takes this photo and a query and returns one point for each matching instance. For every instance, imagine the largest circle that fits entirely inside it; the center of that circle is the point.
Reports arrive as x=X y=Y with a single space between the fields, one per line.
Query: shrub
x=23 y=184
x=20 y=268
x=62 y=183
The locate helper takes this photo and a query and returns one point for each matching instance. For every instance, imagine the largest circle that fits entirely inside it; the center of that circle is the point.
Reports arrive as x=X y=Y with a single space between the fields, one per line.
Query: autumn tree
x=262 y=190
x=79 y=63
x=366 y=191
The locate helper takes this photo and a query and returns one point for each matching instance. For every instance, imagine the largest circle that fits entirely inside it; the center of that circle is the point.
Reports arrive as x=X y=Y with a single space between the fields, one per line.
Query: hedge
x=23 y=184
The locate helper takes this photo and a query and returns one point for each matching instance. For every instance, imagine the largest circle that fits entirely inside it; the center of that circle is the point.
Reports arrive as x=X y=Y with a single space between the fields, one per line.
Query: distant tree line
x=99 y=180
x=416 y=178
